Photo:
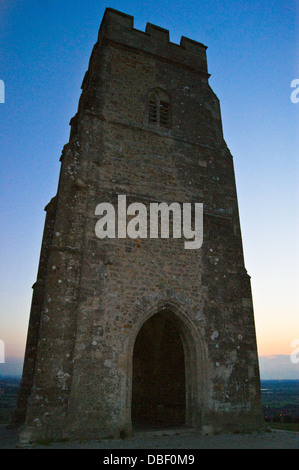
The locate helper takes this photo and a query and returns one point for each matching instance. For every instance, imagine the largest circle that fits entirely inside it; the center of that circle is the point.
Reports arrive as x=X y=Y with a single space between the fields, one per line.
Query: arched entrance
x=159 y=376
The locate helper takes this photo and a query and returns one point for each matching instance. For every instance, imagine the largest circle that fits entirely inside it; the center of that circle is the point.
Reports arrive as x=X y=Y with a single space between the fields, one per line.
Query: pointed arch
x=197 y=383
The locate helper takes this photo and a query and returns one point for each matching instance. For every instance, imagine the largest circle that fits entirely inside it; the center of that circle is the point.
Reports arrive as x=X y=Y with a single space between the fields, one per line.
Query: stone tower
x=127 y=331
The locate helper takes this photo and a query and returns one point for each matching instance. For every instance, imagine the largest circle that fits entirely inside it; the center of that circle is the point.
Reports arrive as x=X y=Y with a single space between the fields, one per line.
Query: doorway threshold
x=140 y=431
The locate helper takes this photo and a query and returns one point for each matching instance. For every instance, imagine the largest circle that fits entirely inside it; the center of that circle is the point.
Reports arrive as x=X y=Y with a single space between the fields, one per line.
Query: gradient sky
x=45 y=49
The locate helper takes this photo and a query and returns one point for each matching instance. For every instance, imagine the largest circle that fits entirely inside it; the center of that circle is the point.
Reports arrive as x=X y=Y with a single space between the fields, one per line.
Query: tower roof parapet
x=119 y=28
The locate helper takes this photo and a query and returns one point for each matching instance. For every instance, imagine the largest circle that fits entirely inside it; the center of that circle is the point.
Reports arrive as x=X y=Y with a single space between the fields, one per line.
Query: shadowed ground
x=175 y=439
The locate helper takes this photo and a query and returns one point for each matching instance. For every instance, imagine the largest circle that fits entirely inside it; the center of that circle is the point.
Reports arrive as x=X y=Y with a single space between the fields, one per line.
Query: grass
x=285 y=426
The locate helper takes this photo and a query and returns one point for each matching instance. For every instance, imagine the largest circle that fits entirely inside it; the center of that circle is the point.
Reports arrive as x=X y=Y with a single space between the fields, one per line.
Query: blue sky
x=45 y=49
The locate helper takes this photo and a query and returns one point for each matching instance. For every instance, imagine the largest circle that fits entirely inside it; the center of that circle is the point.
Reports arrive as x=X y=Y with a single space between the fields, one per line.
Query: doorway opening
x=158 y=388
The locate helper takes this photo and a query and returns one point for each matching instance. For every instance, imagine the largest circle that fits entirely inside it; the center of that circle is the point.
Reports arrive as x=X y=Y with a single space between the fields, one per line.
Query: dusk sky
x=252 y=59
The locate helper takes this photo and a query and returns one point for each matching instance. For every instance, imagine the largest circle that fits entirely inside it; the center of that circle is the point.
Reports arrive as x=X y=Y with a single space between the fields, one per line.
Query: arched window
x=159 y=112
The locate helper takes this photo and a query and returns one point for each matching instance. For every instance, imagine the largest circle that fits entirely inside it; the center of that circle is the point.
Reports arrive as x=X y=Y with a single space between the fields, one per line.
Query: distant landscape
x=280 y=401
x=9 y=387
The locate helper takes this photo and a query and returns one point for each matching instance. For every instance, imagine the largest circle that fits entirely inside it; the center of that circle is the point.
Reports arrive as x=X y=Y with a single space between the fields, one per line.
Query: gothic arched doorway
x=158 y=388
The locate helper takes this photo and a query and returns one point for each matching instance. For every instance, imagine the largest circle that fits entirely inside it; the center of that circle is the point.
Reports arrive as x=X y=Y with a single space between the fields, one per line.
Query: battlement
x=119 y=28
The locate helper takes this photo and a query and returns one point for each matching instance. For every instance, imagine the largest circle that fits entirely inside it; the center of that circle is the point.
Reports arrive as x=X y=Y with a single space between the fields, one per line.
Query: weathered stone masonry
x=93 y=297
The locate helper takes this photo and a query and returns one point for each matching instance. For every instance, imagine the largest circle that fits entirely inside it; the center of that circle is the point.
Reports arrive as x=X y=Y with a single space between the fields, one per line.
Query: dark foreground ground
x=162 y=440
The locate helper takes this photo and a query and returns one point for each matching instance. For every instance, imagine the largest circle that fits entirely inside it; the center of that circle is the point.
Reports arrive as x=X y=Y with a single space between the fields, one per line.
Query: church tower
x=128 y=332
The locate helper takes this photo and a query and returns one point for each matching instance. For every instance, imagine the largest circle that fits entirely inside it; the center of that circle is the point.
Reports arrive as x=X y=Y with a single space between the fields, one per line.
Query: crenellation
x=157 y=32
x=115 y=18
x=119 y=28
x=193 y=46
